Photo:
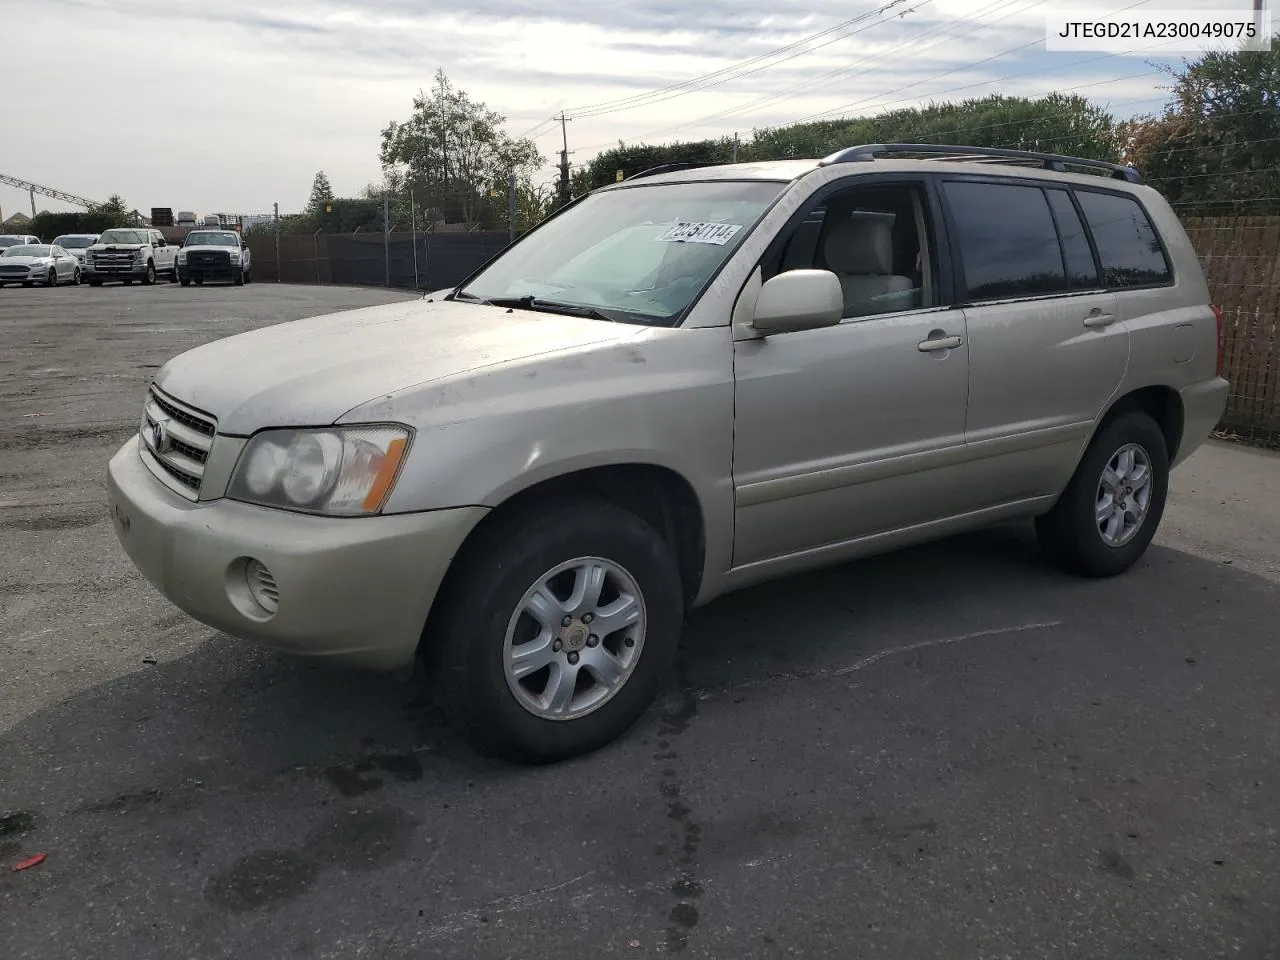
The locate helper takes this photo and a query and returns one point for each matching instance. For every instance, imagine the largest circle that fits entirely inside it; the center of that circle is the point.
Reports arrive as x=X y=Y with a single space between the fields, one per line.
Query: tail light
x=1217 y=315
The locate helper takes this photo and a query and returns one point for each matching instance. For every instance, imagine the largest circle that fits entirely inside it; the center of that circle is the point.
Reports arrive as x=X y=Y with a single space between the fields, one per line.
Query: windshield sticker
x=684 y=231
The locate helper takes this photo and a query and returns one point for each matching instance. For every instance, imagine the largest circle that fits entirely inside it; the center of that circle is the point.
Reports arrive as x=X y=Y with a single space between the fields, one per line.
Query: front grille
x=13 y=271
x=209 y=258
x=185 y=437
x=113 y=261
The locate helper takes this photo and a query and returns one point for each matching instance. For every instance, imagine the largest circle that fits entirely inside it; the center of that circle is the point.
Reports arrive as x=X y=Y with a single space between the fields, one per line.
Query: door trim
x=828 y=475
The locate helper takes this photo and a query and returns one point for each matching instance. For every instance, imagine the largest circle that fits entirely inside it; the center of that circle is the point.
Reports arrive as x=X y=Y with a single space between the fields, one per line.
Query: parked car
x=17 y=239
x=677 y=386
x=128 y=254
x=214 y=255
x=45 y=263
x=77 y=244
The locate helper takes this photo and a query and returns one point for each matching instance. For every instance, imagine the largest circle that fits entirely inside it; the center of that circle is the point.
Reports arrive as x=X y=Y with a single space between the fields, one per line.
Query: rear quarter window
x=1128 y=245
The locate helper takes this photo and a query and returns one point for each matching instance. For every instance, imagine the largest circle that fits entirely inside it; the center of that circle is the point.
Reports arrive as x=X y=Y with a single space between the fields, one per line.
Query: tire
x=26 y=283
x=95 y=282
x=75 y=278
x=185 y=282
x=239 y=278
x=199 y=283
x=127 y=283
x=248 y=275
x=467 y=651
x=149 y=278
x=1 y=286
x=1073 y=536
x=53 y=279
x=173 y=275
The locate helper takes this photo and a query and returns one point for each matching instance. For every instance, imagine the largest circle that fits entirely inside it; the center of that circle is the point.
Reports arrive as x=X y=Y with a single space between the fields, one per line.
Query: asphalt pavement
x=951 y=751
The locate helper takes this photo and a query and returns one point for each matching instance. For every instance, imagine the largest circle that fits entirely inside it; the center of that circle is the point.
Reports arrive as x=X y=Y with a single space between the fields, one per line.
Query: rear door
x=1047 y=347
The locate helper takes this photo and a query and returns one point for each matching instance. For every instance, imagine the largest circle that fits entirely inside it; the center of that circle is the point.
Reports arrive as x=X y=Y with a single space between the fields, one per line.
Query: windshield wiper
x=530 y=302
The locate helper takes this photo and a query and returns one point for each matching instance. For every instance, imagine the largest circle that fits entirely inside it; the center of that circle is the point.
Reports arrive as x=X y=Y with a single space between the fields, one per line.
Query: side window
x=1127 y=243
x=876 y=240
x=1007 y=239
x=1082 y=272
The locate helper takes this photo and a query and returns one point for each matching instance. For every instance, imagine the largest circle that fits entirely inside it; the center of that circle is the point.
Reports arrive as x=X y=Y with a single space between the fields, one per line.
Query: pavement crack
x=686 y=831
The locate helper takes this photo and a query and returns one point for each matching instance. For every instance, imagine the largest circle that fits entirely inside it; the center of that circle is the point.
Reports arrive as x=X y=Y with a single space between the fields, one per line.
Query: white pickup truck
x=214 y=255
x=128 y=254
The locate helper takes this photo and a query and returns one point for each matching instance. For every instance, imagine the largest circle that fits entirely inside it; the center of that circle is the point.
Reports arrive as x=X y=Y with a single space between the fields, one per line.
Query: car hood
x=210 y=246
x=25 y=261
x=117 y=246
x=310 y=372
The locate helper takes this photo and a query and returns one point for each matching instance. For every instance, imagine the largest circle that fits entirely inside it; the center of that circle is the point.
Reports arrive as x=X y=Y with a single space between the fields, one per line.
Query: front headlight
x=182 y=256
x=343 y=471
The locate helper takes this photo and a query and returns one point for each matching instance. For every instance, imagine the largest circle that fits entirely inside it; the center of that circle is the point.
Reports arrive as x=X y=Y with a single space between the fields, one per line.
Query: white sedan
x=43 y=263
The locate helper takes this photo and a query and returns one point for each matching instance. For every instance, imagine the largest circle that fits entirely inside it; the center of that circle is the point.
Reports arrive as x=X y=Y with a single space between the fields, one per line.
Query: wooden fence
x=1241 y=258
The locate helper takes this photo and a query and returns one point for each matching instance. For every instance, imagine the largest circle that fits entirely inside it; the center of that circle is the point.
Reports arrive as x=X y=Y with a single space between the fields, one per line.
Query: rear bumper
x=1202 y=407
x=355 y=590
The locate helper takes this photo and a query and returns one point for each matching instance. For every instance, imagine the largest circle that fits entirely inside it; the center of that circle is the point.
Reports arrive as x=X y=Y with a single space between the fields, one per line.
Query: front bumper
x=1202 y=407
x=355 y=590
x=188 y=271
x=118 y=271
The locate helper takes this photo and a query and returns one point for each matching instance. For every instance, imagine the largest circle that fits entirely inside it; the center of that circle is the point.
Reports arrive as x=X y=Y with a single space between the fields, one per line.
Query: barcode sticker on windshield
x=698 y=232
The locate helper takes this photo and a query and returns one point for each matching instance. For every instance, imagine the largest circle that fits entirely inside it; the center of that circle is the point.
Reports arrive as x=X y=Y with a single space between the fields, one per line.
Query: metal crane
x=34 y=188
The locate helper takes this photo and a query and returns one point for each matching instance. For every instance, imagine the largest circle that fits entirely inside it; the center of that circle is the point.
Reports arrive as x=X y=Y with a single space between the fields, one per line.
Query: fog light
x=262 y=586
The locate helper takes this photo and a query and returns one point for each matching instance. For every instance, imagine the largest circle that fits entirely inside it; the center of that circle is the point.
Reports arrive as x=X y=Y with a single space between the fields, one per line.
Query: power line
x=863 y=66
x=631 y=101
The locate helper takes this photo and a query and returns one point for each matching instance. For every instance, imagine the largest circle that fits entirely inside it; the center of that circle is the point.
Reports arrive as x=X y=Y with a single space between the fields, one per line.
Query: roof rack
x=1048 y=161
x=668 y=168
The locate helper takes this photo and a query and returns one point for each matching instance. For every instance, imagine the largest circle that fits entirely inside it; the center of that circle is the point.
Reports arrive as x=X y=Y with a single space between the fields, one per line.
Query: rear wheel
x=1105 y=519
x=95 y=282
x=185 y=282
x=556 y=631
x=199 y=283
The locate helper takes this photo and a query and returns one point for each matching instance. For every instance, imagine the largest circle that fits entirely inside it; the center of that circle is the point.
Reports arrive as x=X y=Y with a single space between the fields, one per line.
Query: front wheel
x=52 y=279
x=239 y=279
x=150 y=276
x=185 y=282
x=556 y=631
x=95 y=282
x=1105 y=519
x=75 y=277
x=173 y=275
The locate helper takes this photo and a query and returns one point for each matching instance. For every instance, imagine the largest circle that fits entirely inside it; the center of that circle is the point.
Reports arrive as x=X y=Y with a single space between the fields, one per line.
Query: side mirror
x=799 y=300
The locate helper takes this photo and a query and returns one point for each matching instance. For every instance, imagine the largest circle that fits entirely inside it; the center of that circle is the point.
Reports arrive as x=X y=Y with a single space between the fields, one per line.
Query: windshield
x=122 y=236
x=29 y=250
x=12 y=241
x=73 y=243
x=642 y=253
x=212 y=240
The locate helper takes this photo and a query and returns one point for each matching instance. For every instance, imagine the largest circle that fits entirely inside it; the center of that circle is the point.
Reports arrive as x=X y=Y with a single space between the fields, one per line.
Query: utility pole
x=386 y=234
x=33 y=204
x=564 y=158
x=277 y=232
x=511 y=207
x=735 y=146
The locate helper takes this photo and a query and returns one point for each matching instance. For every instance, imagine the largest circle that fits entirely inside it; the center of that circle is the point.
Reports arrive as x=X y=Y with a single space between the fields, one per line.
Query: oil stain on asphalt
x=686 y=889
x=355 y=839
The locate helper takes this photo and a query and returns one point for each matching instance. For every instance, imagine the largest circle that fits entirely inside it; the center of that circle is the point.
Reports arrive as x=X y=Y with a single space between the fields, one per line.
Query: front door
x=857 y=429
x=1047 y=346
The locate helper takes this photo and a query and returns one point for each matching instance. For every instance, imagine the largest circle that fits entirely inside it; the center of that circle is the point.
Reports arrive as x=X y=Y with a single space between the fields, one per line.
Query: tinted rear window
x=1127 y=242
x=1007 y=240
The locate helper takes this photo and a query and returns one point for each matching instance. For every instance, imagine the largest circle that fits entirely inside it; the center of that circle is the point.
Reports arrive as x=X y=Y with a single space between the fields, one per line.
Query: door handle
x=934 y=344
x=1096 y=319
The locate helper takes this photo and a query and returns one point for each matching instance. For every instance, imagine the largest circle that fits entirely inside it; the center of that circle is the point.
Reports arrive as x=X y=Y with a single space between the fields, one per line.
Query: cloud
x=233 y=106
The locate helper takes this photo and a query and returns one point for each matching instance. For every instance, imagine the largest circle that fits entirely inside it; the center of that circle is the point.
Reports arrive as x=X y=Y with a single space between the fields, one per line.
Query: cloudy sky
x=231 y=105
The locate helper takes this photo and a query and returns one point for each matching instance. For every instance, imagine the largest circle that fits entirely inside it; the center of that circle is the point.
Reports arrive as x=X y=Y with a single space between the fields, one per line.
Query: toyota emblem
x=159 y=436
